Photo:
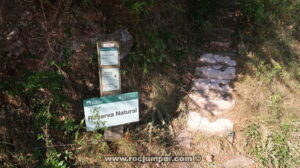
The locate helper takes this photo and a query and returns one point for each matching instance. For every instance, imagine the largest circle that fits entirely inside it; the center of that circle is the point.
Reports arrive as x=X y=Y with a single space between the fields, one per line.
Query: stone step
x=221 y=126
x=211 y=104
x=206 y=85
x=215 y=72
x=218 y=34
x=220 y=45
x=209 y=58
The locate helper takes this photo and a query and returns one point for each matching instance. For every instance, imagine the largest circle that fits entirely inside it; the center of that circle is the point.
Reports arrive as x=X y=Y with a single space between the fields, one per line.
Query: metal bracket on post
x=110 y=79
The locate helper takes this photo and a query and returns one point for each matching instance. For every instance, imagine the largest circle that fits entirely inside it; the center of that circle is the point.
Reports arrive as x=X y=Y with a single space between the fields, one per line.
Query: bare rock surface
x=210 y=72
x=214 y=103
x=220 y=126
x=206 y=85
x=209 y=58
x=225 y=59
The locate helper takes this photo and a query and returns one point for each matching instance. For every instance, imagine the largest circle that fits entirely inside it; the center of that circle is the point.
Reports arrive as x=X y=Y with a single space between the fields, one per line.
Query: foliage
x=203 y=10
x=261 y=12
x=274 y=148
x=139 y=7
x=43 y=92
x=152 y=52
x=156 y=42
x=161 y=36
x=86 y=2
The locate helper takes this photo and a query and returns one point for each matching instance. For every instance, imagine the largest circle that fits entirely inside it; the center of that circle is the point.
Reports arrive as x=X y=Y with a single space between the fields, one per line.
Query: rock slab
x=221 y=126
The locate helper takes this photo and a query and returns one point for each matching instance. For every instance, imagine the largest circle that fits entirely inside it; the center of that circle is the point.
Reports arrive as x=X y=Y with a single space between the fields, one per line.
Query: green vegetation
x=262 y=12
x=41 y=103
x=156 y=43
x=274 y=147
x=139 y=7
x=202 y=11
x=270 y=35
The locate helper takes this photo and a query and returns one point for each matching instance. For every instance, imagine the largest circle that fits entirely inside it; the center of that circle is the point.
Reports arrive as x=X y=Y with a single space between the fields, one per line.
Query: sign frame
x=116 y=132
x=99 y=46
x=114 y=108
x=107 y=45
x=102 y=80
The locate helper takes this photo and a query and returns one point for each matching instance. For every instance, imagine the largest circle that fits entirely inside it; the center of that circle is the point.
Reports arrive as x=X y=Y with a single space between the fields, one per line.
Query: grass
x=273 y=113
x=48 y=99
x=274 y=147
x=271 y=83
x=152 y=136
x=44 y=127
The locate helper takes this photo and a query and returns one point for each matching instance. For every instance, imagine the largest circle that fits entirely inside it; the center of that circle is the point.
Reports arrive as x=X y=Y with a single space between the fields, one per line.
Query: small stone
x=220 y=126
x=90 y=86
x=240 y=162
x=209 y=158
x=207 y=58
x=77 y=47
x=12 y=34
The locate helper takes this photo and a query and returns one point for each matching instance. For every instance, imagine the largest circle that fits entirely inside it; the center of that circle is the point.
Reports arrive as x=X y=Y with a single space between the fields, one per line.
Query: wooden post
x=110 y=79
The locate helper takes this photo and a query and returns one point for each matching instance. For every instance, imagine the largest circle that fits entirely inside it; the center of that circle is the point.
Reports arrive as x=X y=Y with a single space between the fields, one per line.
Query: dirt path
x=211 y=119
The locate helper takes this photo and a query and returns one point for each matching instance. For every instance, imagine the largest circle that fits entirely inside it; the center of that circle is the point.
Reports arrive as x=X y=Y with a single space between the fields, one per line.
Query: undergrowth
x=272 y=54
x=49 y=133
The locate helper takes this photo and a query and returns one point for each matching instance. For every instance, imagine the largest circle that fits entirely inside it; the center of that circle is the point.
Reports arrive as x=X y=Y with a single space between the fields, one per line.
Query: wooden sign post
x=110 y=79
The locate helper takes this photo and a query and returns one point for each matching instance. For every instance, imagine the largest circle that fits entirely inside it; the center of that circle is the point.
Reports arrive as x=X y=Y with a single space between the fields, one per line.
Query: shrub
x=267 y=11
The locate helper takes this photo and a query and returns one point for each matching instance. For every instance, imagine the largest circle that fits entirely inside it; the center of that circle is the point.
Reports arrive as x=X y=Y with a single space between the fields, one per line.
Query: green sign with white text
x=111 y=111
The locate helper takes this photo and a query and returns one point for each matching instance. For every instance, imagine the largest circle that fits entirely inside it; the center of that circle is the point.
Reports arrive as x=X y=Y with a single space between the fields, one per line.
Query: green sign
x=111 y=111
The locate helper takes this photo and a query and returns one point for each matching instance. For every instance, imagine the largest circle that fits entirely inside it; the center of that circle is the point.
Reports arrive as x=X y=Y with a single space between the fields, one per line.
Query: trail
x=211 y=119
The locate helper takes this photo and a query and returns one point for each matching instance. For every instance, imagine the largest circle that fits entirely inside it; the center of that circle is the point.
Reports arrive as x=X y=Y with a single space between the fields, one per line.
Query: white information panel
x=109 y=56
x=111 y=111
x=110 y=79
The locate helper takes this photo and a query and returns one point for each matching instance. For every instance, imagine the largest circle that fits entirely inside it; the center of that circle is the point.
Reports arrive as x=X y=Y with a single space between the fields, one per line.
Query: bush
x=267 y=11
x=202 y=10
x=41 y=91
